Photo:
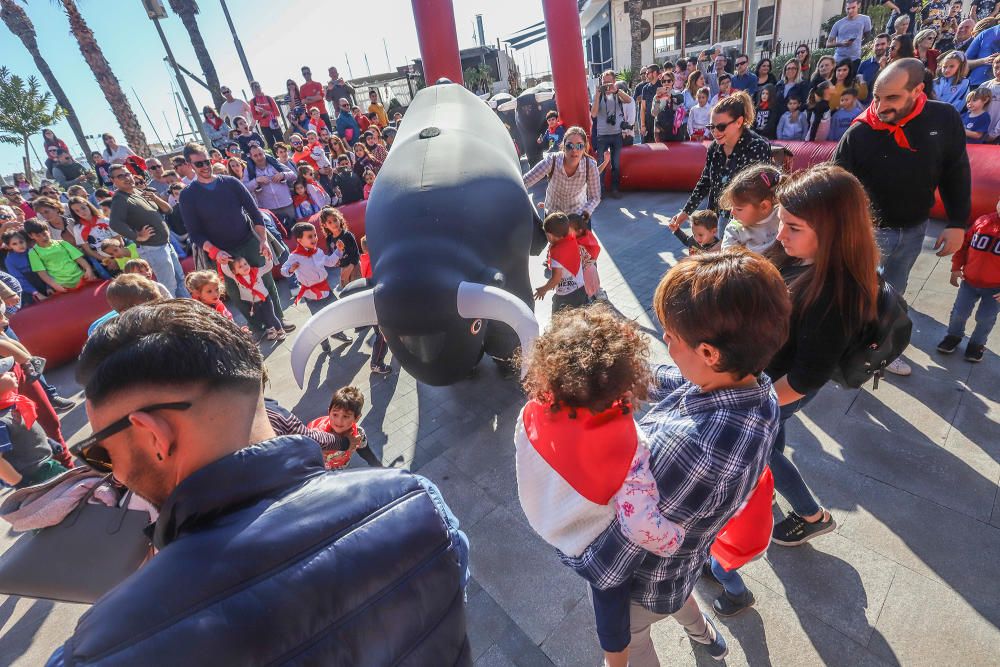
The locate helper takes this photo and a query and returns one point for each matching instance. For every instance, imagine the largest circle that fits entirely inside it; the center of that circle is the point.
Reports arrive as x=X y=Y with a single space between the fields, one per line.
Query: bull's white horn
x=477 y=301
x=356 y=310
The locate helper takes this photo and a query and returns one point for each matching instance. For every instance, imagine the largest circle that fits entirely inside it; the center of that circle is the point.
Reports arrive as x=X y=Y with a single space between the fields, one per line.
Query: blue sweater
x=19 y=266
x=789 y=130
x=216 y=212
x=840 y=120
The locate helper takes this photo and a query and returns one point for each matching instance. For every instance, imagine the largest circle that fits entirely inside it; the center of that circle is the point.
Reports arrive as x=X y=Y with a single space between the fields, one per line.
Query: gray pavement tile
x=978 y=421
x=521 y=649
x=485 y=622
x=522 y=573
x=495 y=657
x=774 y=633
x=30 y=630
x=920 y=405
x=995 y=519
x=906 y=459
x=934 y=541
x=574 y=641
x=466 y=499
x=832 y=578
x=925 y=623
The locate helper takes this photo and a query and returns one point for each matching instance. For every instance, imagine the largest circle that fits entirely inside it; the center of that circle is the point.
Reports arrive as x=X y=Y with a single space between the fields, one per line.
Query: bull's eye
x=477 y=326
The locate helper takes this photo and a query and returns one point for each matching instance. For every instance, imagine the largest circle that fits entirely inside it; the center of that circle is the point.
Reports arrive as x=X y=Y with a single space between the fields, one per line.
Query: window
x=730 y=21
x=765 y=18
x=698 y=26
x=666 y=32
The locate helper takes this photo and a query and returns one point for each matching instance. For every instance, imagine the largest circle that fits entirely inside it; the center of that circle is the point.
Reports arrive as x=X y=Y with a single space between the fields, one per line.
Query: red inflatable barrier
x=57 y=327
x=676 y=167
x=353 y=213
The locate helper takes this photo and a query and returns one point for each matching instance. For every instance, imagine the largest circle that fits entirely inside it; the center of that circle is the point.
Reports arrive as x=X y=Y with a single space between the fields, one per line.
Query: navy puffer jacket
x=267 y=559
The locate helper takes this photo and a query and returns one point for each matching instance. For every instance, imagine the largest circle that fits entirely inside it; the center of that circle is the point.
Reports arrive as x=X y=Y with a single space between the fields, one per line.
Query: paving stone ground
x=910 y=471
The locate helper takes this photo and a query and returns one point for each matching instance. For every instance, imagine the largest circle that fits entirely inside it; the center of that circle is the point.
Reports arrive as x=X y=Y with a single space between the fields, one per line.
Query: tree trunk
x=120 y=106
x=635 y=31
x=19 y=24
x=27 y=160
x=186 y=10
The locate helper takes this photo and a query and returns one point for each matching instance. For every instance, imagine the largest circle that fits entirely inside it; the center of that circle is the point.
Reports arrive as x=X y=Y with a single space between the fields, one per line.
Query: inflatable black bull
x=449 y=226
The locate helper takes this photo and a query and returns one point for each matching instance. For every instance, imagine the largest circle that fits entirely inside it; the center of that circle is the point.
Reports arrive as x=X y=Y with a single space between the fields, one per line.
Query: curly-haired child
x=582 y=463
x=206 y=288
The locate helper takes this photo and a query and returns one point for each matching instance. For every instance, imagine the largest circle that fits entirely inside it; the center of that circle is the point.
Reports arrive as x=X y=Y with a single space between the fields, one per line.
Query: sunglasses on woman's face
x=718 y=127
x=572 y=146
x=90 y=450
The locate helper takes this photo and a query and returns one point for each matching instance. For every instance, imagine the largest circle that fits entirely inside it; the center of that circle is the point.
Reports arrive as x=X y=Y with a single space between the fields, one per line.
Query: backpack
x=878 y=344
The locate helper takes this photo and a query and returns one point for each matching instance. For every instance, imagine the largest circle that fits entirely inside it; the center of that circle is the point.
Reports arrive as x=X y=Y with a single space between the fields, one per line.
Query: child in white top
x=250 y=285
x=309 y=263
x=699 y=116
x=751 y=199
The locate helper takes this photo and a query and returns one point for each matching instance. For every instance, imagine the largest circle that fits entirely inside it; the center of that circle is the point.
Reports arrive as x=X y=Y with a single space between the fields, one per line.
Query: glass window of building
x=698 y=27
x=729 y=21
x=666 y=32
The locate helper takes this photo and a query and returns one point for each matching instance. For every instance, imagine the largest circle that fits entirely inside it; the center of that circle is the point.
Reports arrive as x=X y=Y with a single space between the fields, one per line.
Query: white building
x=674 y=28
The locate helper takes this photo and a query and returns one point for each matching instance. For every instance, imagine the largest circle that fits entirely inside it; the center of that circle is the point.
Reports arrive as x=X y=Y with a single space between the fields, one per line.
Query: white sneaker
x=899 y=367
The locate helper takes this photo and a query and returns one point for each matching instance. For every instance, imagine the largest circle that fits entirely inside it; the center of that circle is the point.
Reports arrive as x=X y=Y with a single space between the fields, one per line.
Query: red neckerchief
x=566 y=251
x=221 y=309
x=251 y=284
x=24 y=406
x=300 y=199
x=305 y=252
x=215 y=122
x=320 y=289
x=87 y=227
x=589 y=243
x=870 y=117
x=365 y=265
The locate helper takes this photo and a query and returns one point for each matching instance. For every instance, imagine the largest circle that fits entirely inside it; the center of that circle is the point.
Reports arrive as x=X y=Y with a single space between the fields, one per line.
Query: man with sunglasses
x=347 y=126
x=312 y=93
x=138 y=216
x=608 y=109
x=234 y=107
x=14 y=198
x=263 y=557
x=156 y=179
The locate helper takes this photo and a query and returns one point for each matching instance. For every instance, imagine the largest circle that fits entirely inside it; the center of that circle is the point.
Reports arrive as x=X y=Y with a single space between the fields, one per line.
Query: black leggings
x=262 y=315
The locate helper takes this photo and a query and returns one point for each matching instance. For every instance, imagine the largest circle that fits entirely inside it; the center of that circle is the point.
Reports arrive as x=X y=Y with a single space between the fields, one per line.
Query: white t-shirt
x=119 y=154
x=569 y=283
x=96 y=235
x=230 y=110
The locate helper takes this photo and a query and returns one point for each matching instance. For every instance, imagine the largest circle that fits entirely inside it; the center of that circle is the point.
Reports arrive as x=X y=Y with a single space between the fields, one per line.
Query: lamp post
x=156 y=11
x=236 y=41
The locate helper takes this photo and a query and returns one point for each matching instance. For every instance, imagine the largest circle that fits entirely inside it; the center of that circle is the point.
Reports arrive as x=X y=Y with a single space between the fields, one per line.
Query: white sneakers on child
x=275 y=334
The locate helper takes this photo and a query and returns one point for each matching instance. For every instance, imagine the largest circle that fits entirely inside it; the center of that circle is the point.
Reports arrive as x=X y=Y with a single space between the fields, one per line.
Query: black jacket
x=901 y=182
x=267 y=559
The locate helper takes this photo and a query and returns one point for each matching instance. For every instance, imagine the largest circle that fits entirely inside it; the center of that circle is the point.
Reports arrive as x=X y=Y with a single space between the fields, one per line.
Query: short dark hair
x=34 y=226
x=654 y=67
x=552 y=114
x=106 y=202
x=177 y=160
x=853 y=92
x=300 y=228
x=881 y=35
x=129 y=290
x=343 y=158
x=15 y=234
x=191 y=148
x=556 y=224
x=173 y=342
x=706 y=218
x=725 y=77
x=116 y=168
x=733 y=300
x=348 y=398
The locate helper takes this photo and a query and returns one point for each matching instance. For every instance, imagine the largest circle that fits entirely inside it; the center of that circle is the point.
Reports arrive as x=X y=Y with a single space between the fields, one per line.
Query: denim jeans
x=787 y=480
x=613 y=141
x=731 y=581
x=986 y=316
x=900 y=248
x=163 y=260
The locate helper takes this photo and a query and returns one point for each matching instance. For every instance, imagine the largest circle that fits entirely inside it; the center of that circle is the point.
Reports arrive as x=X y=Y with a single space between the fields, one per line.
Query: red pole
x=569 y=74
x=435 y=22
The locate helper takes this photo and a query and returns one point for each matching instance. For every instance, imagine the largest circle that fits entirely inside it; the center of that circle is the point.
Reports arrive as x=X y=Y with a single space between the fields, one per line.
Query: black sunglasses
x=90 y=451
x=154 y=166
x=574 y=147
x=718 y=127
x=198 y=164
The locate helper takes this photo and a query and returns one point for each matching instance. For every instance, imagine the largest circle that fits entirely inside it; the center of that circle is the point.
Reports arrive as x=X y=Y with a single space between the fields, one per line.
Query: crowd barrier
x=57 y=327
x=677 y=166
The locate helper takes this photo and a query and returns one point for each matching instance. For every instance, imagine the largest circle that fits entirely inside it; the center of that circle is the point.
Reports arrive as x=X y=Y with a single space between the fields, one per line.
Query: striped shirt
x=567 y=194
x=708 y=451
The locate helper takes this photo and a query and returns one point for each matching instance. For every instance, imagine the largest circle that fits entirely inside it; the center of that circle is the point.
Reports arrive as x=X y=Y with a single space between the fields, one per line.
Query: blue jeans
x=787 y=480
x=604 y=142
x=986 y=316
x=611 y=612
x=900 y=248
x=731 y=581
x=163 y=260
x=99 y=269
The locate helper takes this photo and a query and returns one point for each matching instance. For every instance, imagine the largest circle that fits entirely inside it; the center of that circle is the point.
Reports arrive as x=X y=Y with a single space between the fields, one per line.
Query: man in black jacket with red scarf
x=903 y=148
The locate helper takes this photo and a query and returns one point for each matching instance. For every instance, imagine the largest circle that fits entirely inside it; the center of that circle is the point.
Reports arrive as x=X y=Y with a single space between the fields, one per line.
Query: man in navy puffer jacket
x=264 y=557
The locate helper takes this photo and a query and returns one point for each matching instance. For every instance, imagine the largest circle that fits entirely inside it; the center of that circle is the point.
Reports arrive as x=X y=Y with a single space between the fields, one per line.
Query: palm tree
x=106 y=79
x=20 y=25
x=186 y=10
x=24 y=111
x=635 y=32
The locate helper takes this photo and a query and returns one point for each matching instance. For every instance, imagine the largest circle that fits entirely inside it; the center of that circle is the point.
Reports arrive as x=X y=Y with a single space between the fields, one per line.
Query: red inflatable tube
x=57 y=327
x=676 y=167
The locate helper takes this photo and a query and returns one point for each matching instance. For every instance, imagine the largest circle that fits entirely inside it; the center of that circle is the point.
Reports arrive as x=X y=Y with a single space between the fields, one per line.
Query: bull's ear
x=351 y=312
x=478 y=301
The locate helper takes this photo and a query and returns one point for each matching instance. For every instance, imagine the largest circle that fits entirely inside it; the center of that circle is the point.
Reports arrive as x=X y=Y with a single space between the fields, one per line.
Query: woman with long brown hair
x=826 y=253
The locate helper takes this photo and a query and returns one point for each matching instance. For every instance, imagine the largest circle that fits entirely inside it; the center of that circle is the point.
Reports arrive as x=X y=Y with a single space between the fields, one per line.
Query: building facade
x=674 y=28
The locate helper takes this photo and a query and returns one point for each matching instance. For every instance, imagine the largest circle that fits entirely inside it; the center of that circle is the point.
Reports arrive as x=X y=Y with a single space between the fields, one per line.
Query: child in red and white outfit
x=977 y=265
x=582 y=462
x=342 y=419
x=205 y=287
x=250 y=282
x=379 y=346
x=565 y=263
x=589 y=251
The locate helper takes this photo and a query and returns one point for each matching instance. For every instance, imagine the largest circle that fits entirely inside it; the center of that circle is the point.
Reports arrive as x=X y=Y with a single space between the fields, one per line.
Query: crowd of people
x=784 y=276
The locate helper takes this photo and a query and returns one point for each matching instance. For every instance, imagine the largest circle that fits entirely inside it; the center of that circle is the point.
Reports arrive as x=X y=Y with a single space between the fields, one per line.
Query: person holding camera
x=608 y=109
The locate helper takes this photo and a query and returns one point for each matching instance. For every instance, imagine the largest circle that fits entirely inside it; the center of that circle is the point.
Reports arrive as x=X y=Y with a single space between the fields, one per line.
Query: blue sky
x=278 y=36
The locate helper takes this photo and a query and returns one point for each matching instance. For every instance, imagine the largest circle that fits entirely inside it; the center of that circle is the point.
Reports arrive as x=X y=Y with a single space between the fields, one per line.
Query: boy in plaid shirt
x=710 y=431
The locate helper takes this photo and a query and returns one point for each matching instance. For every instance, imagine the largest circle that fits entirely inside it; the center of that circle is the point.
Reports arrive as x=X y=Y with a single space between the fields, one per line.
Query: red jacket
x=979 y=257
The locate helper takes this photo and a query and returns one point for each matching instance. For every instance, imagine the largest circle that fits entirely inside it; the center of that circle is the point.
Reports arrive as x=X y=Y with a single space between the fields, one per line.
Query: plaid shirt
x=578 y=193
x=708 y=451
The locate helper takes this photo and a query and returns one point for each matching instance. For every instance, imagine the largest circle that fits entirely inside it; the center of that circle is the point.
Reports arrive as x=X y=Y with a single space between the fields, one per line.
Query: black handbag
x=878 y=344
x=88 y=553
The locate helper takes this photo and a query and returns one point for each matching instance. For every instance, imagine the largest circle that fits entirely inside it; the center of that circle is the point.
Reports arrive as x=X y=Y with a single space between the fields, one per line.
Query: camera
x=627 y=126
x=611 y=118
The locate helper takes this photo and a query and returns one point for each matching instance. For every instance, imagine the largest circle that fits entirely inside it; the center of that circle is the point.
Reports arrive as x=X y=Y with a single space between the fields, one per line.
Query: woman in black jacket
x=827 y=255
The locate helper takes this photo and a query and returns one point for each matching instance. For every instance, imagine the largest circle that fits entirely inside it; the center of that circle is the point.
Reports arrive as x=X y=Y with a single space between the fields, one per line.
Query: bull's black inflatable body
x=449 y=226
